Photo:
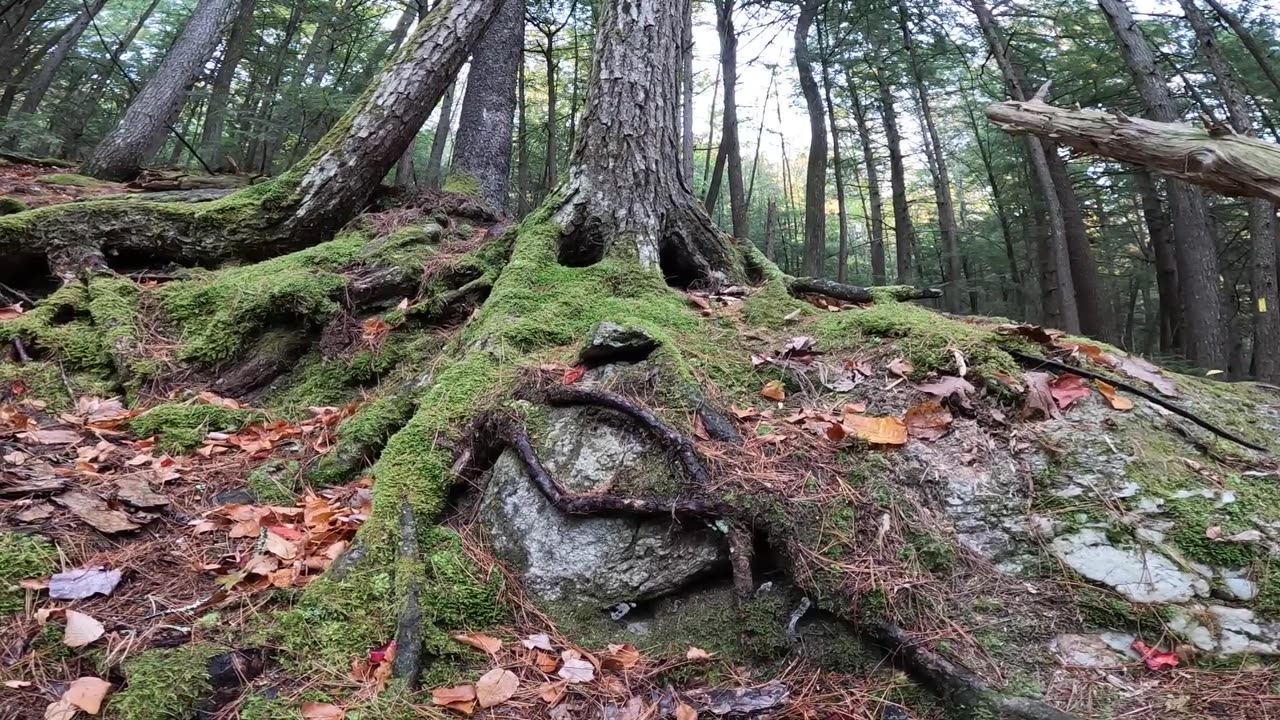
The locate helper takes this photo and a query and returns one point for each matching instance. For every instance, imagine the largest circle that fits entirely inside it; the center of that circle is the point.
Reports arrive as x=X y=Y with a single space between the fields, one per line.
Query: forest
x=639 y=359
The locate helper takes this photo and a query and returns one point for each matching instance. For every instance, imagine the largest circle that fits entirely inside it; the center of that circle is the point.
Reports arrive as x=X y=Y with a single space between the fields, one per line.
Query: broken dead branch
x=1216 y=158
x=855 y=294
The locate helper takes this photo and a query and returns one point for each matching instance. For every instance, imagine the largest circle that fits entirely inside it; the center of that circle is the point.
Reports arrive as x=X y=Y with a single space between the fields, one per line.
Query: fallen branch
x=853 y=293
x=1033 y=361
x=19 y=158
x=669 y=437
x=1217 y=158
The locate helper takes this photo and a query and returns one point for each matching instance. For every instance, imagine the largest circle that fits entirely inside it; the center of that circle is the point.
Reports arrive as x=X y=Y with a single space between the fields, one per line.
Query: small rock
x=1155 y=537
x=82 y=583
x=234 y=497
x=1242 y=589
x=611 y=342
x=1087 y=651
x=137 y=492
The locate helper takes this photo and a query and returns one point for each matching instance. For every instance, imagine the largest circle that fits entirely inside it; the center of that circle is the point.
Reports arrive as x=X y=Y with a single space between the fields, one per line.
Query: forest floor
x=907 y=468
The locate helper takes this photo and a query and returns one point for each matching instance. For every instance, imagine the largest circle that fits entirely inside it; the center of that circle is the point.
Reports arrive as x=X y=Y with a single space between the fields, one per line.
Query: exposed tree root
x=1039 y=362
x=410 y=632
x=853 y=293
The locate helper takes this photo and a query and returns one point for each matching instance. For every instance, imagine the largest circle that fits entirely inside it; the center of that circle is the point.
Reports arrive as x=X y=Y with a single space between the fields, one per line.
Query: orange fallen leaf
x=902 y=368
x=1113 y=398
x=620 y=657
x=483 y=643
x=461 y=699
x=684 y=712
x=552 y=692
x=544 y=662
x=773 y=390
x=322 y=711
x=10 y=312
x=876 y=430
x=87 y=693
x=496 y=687
x=928 y=420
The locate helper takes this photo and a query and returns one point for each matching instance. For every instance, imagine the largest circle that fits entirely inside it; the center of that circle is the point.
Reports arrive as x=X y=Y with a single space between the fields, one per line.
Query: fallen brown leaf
x=496 y=687
x=87 y=693
x=483 y=643
x=1114 y=399
x=902 y=368
x=684 y=712
x=461 y=699
x=928 y=420
x=322 y=711
x=773 y=390
x=620 y=657
x=876 y=430
x=60 y=710
x=81 y=629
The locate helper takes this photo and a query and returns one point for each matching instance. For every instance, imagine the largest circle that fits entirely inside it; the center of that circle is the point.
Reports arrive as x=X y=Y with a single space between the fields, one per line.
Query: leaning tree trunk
x=482 y=150
x=305 y=206
x=44 y=79
x=624 y=195
x=121 y=153
x=815 y=185
x=1250 y=43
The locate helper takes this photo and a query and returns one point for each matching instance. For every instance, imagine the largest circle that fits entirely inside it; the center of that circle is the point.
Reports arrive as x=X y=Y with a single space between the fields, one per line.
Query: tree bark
x=770 y=229
x=1197 y=255
x=482 y=151
x=873 y=185
x=522 y=152
x=1002 y=214
x=44 y=79
x=121 y=153
x=952 y=292
x=550 y=171
x=686 y=87
x=1057 y=270
x=1161 y=232
x=842 y=265
x=815 y=185
x=729 y=136
x=1090 y=299
x=211 y=146
x=904 y=234
x=1265 y=312
x=618 y=199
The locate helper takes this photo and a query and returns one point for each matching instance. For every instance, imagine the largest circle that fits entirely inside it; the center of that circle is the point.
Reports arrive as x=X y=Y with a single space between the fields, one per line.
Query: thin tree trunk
x=1160 y=230
x=755 y=161
x=1251 y=44
x=1265 y=312
x=712 y=197
x=1091 y=303
x=842 y=266
x=435 y=162
x=44 y=79
x=120 y=155
x=482 y=152
x=212 y=149
x=952 y=292
x=903 y=233
x=522 y=158
x=815 y=186
x=550 y=170
x=1002 y=214
x=1197 y=255
x=1057 y=271
x=686 y=87
x=711 y=131
x=12 y=78
x=770 y=229
x=729 y=136
x=873 y=185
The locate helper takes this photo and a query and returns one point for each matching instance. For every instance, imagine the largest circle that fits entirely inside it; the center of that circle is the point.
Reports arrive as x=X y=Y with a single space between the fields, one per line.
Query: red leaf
x=379 y=654
x=1068 y=389
x=573 y=374
x=1155 y=658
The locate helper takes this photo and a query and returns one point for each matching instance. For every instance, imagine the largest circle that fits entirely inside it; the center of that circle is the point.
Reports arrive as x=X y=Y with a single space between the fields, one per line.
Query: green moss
x=361 y=436
x=22 y=557
x=69 y=180
x=44 y=381
x=181 y=427
x=922 y=336
x=463 y=185
x=163 y=684
x=933 y=552
x=83 y=325
x=257 y=707
x=48 y=643
x=9 y=205
x=275 y=482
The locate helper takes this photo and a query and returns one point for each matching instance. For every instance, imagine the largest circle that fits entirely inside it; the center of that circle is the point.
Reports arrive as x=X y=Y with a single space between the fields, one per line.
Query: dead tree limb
x=1217 y=158
x=853 y=293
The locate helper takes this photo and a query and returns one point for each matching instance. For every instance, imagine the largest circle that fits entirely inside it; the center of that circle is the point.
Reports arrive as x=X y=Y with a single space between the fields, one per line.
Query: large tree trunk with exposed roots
x=625 y=191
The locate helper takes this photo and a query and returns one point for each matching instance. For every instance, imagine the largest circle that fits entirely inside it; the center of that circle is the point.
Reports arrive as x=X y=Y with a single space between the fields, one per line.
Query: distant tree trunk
x=842 y=265
x=1265 y=312
x=522 y=157
x=815 y=186
x=1090 y=300
x=482 y=151
x=770 y=229
x=616 y=196
x=686 y=87
x=435 y=161
x=1197 y=254
x=952 y=292
x=729 y=137
x=903 y=233
x=271 y=135
x=1002 y=214
x=550 y=170
x=755 y=160
x=13 y=25
x=44 y=79
x=711 y=141
x=212 y=149
x=1057 y=269
x=1161 y=232
x=873 y=186
x=404 y=166
x=121 y=153
x=1251 y=44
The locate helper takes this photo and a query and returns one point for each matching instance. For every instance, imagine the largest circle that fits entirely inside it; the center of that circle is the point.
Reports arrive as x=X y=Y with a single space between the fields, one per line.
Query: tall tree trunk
x=11 y=78
x=13 y=26
x=1160 y=230
x=616 y=196
x=686 y=87
x=729 y=137
x=1057 y=272
x=44 y=79
x=1002 y=214
x=121 y=153
x=211 y=146
x=770 y=229
x=1091 y=303
x=755 y=160
x=842 y=266
x=1250 y=43
x=522 y=158
x=435 y=162
x=815 y=185
x=952 y=292
x=1197 y=253
x=873 y=185
x=482 y=151
x=904 y=234
x=1265 y=312
x=550 y=171
x=717 y=177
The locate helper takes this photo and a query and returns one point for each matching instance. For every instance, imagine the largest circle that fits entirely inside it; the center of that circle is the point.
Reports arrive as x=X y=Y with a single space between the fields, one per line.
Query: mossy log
x=1216 y=157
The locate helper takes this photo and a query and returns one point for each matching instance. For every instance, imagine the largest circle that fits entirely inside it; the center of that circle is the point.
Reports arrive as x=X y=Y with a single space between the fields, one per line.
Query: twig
x=22 y=351
x=1122 y=385
x=18 y=294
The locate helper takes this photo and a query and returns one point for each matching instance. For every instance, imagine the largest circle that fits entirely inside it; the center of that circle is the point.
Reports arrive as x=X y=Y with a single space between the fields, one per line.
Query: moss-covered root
x=165 y=684
x=362 y=436
x=410 y=633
